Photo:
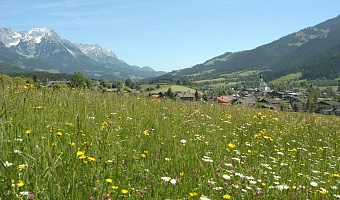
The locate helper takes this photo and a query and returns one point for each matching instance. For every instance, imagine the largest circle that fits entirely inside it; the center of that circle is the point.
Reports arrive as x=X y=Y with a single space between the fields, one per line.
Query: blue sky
x=168 y=34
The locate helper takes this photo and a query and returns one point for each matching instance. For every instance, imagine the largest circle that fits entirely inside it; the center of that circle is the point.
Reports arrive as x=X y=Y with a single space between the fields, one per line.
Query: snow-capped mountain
x=42 y=49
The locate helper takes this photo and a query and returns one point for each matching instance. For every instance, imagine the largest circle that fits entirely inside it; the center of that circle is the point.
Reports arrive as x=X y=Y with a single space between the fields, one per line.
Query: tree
x=169 y=93
x=158 y=86
x=79 y=80
x=129 y=83
x=196 y=95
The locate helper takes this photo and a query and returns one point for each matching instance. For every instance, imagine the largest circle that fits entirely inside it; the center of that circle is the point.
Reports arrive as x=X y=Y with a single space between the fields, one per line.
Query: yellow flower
x=59 y=133
x=80 y=153
x=72 y=143
x=20 y=183
x=21 y=166
x=115 y=187
x=53 y=144
x=146 y=132
x=108 y=180
x=123 y=191
x=193 y=194
x=82 y=157
x=28 y=132
x=181 y=174
x=91 y=158
x=143 y=155
x=231 y=145
x=336 y=175
x=226 y=196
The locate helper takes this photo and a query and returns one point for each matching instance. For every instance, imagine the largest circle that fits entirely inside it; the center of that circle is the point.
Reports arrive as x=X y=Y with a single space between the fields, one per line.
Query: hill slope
x=313 y=51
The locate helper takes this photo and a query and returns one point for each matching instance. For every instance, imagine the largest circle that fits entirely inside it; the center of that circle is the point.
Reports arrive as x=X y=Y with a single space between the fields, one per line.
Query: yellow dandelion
x=231 y=145
x=80 y=153
x=53 y=145
x=226 y=196
x=193 y=194
x=28 y=132
x=90 y=158
x=115 y=187
x=181 y=174
x=143 y=155
x=72 y=143
x=21 y=167
x=20 y=183
x=336 y=175
x=123 y=191
x=59 y=133
x=108 y=180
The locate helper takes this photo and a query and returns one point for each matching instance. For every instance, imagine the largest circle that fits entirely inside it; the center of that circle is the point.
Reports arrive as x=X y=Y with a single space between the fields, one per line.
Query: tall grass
x=69 y=144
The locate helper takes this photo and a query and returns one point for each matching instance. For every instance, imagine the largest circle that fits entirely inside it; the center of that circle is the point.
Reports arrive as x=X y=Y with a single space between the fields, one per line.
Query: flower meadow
x=81 y=144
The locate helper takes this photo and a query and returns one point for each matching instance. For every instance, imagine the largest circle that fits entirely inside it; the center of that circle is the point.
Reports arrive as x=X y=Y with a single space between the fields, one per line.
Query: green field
x=287 y=78
x=174 y=88
x=82 y=144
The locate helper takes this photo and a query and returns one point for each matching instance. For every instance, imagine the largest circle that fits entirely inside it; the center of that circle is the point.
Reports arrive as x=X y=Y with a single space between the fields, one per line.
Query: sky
x=168 y=35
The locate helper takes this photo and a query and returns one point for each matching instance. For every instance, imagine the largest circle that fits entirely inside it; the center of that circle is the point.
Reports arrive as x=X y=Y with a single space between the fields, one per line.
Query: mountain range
x=42 y=49
x=313 y=51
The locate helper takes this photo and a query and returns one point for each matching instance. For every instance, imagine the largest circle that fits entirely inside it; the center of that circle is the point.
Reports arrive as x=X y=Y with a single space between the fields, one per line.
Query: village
x=294 y=100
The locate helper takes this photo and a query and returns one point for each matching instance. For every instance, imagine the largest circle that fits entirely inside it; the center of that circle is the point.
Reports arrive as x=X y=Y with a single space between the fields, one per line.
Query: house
x=226 y=100
x=298 y=104
x=112 y=90
x=329 y=107
x=184 y=96
x=52 y=83
x=246 y=102
x=270 y=103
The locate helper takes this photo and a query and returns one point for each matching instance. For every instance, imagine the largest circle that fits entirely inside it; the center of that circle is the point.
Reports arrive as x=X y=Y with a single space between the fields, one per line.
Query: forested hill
x=314 y=51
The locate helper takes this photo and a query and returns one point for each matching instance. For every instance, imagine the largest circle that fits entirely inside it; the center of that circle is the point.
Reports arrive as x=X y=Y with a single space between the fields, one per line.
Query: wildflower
x=231 y=145
x=21 y=167
x=193 y=194
x=24 y=193
x=31 y=197
x=80 y=153
x=28 y=132
x=7 y=164
x=173 y=181
x=20 y=183
x=146 y=133
x=203 y=197
x=315 y=184
x=115 y=187
x=226 y=196
x=90 y=158
x=226 y=177
x=72 y=143
x=59 y=133
x=166 y=179
x=207 y=159
x=143 y=155
x=336 y=175
x=183 y=141
x=53 y=145
x=123 y=191
x=108 y=180
x=181 y=174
